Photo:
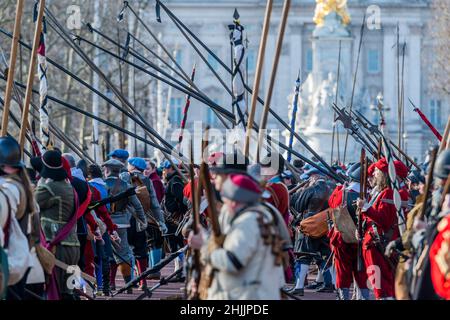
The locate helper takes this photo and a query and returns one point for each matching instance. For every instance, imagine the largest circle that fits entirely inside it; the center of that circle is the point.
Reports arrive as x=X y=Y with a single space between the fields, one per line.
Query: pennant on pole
x=427 y=122
x=294 y=115
x=236 y=37
x=43 y=85
x=185 y=112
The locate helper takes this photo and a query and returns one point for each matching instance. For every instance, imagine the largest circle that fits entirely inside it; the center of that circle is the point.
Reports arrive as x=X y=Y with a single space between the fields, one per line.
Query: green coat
x=56 y=203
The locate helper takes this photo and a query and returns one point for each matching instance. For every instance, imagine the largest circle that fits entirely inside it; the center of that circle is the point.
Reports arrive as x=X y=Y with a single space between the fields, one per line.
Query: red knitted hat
x=401 y=169
x=241 y=188
x=382 y=165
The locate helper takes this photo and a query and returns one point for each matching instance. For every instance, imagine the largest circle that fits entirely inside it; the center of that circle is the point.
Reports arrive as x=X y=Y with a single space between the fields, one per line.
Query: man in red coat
x=346 y=253
x=380 y=220
x=440 y=259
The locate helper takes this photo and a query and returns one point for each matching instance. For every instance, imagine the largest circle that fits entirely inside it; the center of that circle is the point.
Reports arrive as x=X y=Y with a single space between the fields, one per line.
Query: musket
x=429 y=183
x=362 y=195
x=125 y=194
x=373 y=129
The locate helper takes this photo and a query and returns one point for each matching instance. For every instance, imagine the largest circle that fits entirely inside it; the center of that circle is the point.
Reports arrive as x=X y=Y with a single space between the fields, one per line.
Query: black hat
x=416 y=177
x=268 y=162
x=10 y=154
x=298 y=163
x=442 y=167
x=354 y=172
x=52 y=166
x=234 y=162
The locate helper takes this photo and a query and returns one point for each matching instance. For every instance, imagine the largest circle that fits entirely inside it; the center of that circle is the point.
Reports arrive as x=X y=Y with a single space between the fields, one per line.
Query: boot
x=126 y=273
x=344 y=293
x=112 y=276
x=142 y=265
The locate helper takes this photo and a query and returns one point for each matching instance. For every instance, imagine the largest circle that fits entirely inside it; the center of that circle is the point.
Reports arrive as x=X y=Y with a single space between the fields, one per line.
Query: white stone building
x=377 y=72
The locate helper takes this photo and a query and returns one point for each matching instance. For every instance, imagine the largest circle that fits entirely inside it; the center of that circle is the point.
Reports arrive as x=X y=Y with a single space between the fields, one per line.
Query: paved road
x=175 y=290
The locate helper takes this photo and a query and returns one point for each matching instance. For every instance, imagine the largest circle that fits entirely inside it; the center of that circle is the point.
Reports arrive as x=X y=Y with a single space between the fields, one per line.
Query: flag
x=236 y=38
x=43 y=85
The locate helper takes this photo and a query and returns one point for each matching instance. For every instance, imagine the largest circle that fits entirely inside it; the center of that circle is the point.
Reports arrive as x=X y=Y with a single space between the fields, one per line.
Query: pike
x=361 y=35
x=84 y=83
x=185 y=114
x=271 y=111
x=28 y=93
x=141 y=58
x=428 y=185
x=286 y=148
x=273 y=74
x=427 y=122
x=12 y=67
x=195 y=271
x=258 y=72
x=352 y=129
x=177 y=84
x=90 y=115
x=152 y=133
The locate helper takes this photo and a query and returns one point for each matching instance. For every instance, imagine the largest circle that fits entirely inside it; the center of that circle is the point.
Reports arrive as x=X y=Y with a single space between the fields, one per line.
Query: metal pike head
x=343 y=117
x=236 y=15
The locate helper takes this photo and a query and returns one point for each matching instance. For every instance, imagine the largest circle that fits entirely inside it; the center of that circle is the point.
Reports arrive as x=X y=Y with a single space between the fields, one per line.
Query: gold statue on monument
x=324 y=7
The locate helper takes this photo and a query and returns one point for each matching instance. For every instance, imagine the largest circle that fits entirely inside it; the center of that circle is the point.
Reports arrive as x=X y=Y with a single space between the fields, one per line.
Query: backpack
x=142 y=192
x=15 y=246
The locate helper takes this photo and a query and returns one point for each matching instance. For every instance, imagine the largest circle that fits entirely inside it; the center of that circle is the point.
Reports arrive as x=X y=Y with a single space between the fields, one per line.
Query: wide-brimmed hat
x=113 y=163
x=230 y=163
x=241 y=188
x=52 y=166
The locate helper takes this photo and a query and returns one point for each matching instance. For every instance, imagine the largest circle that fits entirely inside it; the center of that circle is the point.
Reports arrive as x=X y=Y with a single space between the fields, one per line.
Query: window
x=211 y=117
x=251 y=60
x=309 y=60
x=373 y=61
x=435 y=112
x=176 y=111
x=212 y=61
x=179 y=57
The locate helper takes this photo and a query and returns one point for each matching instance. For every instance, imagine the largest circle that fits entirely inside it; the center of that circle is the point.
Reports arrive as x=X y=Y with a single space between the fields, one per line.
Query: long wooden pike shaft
x=276 y=59
x=31 y=72
x=12 y=67
x=258 y=73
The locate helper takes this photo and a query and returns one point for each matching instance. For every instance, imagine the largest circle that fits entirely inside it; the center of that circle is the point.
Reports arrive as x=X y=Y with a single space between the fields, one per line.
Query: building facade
x=377 y=71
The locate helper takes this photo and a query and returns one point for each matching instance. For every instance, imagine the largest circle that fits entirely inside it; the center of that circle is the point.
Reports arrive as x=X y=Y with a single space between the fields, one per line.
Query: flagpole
x=294 y=114
x=276 y=59
x=28 y=92
x=336 y=102
x=361 y=35
x=12 y=67
x=258 y=73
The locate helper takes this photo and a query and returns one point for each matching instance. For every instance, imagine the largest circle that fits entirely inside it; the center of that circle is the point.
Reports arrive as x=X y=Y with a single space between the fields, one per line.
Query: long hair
x=28 y=187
